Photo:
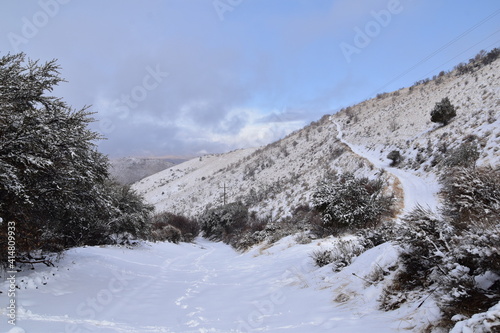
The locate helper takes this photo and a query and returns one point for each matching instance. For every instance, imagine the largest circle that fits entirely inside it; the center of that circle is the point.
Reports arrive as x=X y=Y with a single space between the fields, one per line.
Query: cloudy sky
x=186 y=77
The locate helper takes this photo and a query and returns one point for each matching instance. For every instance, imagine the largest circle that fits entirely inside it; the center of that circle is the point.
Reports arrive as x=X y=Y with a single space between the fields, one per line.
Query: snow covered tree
x=395 y=157
x=348 y=202
x=53 y=181
x=130 y=216
x=443 y=112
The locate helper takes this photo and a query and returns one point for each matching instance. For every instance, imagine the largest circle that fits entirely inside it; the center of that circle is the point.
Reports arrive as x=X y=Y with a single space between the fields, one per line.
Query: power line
x=458 y=55
x=462 y=35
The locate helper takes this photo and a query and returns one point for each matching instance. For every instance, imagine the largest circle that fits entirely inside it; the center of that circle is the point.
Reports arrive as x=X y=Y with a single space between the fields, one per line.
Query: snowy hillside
x=274 y=179
x=401 y=119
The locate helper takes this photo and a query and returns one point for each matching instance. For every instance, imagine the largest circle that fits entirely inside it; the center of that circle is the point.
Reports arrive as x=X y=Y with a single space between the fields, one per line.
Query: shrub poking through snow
x=461 y=267
x=457 y=255
x=302 y=220
x=339 y=256
x=166 y=233
x=481 y=59
x=348 y=203
x=425 y=239
x=464 y=155
x=322 y=257
x=443 y=112
x=472 y=196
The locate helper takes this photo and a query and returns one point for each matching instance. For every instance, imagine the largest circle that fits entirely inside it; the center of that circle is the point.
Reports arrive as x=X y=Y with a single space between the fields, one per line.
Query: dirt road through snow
x=417 y=190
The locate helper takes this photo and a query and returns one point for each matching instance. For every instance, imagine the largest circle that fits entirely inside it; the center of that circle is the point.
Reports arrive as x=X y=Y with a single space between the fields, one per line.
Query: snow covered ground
x=207 y=287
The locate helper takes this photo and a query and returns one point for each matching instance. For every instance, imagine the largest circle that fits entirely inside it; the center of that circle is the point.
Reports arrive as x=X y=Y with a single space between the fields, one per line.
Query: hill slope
x=274 y=179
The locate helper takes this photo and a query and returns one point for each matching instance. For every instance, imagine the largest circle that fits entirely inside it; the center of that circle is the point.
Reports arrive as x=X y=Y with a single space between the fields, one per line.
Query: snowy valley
x=276 y=284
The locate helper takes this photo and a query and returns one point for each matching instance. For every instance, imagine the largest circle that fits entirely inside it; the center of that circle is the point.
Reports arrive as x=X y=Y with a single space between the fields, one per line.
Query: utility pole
x=224 y=193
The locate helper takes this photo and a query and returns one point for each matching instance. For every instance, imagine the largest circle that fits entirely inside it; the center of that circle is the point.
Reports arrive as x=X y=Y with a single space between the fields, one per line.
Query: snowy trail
x=417 y=190
x=202 y=287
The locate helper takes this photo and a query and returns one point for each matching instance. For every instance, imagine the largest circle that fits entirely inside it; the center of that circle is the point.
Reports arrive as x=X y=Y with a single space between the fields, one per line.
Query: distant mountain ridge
x=128 y=170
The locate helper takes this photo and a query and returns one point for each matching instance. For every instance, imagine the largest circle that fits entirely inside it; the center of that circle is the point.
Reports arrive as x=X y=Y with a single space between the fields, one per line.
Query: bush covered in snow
x=484 y=322
x=235 y=225
x=443 y=112
x=224 y=223
x=349 y=203
x=304 y=221
x=464 y=155
x=166 y=233
x=173 y=228
x=472 y=196
x=425 y=239
x=340 y=256
x=456 y=255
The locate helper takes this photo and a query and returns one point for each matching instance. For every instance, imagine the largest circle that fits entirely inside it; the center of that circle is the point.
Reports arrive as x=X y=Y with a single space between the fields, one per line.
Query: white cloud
x=251 y=129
